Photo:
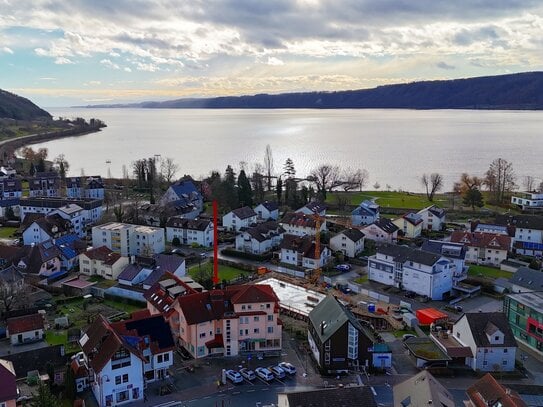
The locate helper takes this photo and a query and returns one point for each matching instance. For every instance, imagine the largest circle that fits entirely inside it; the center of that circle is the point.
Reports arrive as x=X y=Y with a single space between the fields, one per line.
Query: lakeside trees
x=500 y=179
x=469 y=188
x=432 y=183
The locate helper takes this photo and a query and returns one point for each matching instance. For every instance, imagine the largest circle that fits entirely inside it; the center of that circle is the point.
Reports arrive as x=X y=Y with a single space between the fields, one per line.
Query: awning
x=216 y=342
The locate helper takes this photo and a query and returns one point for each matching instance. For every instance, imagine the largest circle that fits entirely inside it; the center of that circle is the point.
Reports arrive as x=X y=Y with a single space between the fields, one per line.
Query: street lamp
x=101 y=383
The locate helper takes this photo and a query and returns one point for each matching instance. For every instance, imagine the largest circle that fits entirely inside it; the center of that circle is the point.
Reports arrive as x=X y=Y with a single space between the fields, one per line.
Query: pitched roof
x=190 y=224
x=482 y=324
x=401 y=254
x=434 y=210
x=103 y=254
x=264 y=231
x=333 y=315
x=385 y=225
x=299 y=219
x=244 y=212
x=353 y=234
x=528 y=278
x=10 y=254
x=332 y=397
x=481 y=239
x=163 y=293
x=25 y=323
x=253 y=294
x=447 y=249
x=70 y=245
x=413 y=218
x=37 y=359
x=8 y=389
x=422 y=389
x=521 y=221
x=10 y=275
x=50 y=224
x=269 y=205
x=487 y=392
x=36 y=255
x=314 y=206
x=301 y=244
x=184 y=188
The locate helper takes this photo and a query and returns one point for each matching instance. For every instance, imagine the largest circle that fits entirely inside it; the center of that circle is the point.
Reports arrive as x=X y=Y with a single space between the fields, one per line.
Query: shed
x=428 y=316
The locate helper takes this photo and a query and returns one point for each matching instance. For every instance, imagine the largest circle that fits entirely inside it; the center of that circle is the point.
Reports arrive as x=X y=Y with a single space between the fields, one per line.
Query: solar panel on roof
x=47 y=245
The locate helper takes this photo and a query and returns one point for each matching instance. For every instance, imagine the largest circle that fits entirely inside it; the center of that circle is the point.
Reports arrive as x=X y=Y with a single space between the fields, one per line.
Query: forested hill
x=16 y=107
x=514 y=91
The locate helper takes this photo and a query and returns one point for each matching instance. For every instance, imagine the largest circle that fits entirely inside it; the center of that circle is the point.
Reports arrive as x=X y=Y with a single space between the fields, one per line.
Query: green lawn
x=489 y=272
x=225 y=272
x=60 y=338
x=121 y=306
x=6 y=232
x=400 y=333
x=389 y=199
x=362 y=279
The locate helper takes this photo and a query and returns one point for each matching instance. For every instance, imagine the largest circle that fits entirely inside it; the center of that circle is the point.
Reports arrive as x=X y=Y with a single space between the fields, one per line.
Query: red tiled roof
x=481 y=239
x=299 y=219
x=253 y=293
x=78 y=370
x=25 y=323
x=103 y=254
x=488 y=392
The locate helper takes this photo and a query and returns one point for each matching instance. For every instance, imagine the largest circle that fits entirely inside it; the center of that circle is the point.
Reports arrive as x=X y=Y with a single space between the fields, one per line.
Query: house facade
x=421 y=272
x=301 y=224
x=85 y=187
x=300 y=251
x=128 y=239
x=237 y=320
x=526 y=231
x=260 y=238
x=92 y=208
x=338 y=341
x=365 y=214
x=44 y=184
x=455 y=252
x=267 y=211
x=11 y=189
x=483 y=248
x=39 y=228
x=312 y=208
x=410 y=225
x=103 y=262
x=490 y=339
x=350 y=242
x=190 y=231
x=528 y=201
x=25 y=329
x=433 y=218
x=383 y=230
x=239 y=218
x=75 y=215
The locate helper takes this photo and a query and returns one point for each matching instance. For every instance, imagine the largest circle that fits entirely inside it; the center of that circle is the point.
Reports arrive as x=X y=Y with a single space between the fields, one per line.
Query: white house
x=366 y=213
x=433 y=218
x=184 y=194
x=190 y=231
x=92 y=208
x=260 y=238
x=267 y=210
x=483 y=248
x=490 y=339
x=146 y=271
x=300 y=224
x=382 y=230
x=122 y=357
x=44 y=184
x=350 y=242
x=528 y=200
x=527 y=232
x=313 y=208
x=414 y=270
x=25 y=329
x=39 y=228
x=85 y=187
x=410 y=224
x=101 y=261
x=128 y=239
x=300 y=251
x=239 y=218
x=75 y=215
x=11 y=188
x=455 y=252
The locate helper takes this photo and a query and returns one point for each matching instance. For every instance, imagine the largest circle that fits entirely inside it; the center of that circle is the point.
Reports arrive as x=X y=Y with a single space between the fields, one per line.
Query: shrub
x=176 y=241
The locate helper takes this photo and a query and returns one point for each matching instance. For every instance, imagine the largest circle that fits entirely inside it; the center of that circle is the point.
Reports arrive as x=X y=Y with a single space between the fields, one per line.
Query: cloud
x=444 y=65
x=63 y=61
x=127 y=69
x=274 y=61
x=6 y=50
x=47 y=79
x=109 y=64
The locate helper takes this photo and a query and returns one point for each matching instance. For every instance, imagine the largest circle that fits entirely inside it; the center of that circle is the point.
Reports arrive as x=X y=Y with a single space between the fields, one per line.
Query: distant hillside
x=19 y=108
x=514 y=91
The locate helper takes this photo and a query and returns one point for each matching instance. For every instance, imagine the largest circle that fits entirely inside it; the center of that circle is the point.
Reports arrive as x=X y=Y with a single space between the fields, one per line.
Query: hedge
x=248 y=256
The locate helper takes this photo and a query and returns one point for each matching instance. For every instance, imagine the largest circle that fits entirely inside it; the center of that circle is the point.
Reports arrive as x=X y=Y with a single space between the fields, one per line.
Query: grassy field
x=362 y=279
x=121 y=306
x=225 y=272
x=489 y=272
x=7 y=232
x=389 y=199
x=60 y=338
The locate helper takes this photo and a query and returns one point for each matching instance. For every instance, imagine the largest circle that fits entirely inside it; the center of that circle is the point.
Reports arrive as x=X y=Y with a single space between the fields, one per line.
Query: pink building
x=238 y=319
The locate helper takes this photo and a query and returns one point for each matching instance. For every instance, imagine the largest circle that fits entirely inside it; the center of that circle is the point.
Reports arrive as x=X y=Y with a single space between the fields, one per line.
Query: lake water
x=394 y=146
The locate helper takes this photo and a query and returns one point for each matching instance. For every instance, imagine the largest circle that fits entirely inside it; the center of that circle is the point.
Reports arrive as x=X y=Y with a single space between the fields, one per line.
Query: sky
x=79 y=52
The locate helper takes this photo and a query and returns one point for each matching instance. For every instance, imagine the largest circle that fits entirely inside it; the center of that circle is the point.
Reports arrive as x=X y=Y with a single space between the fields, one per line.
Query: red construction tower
x=215 y=244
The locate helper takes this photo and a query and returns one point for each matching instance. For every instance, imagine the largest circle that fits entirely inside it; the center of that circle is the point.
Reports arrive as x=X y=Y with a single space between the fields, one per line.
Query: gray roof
x=332 y=397
x=401 y=254
x=334 y=315
x=386 y=225
x=521 y=221
x=447 y=249
x=264 y=231
x=528 y=278
x=353 y=234
x=244 y=212
x=419 y=390
x=189 y=224
x=270 y=206
x=483 y=323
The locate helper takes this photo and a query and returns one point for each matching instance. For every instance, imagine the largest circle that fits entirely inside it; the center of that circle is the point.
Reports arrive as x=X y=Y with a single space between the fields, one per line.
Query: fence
x=357 y=288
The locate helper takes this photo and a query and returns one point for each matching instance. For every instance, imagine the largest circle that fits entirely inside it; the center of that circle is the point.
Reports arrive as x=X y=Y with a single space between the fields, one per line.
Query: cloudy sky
x=61 y=52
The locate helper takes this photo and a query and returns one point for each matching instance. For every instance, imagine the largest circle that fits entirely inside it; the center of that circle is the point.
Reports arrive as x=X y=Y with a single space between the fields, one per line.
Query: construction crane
x=316 y=274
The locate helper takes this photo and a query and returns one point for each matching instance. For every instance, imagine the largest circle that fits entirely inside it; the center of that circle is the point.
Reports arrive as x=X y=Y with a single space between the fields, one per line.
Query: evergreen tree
x=304 y=195
x=40 y=166
x=44 y=398
x=229 y=193
x=473 y=197
x=291 y=193
x=279 y=190
x=69 y=384
x=258 y=186
x=32 y=169
x=288 y=168
x=245 y=192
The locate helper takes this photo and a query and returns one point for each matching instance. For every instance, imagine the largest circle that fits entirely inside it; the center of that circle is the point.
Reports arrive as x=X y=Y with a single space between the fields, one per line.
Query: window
x=505 y=350
x=117 y=379
x=125 y=378
x=241 y=332
x=122 y=396
x=485 y=362
x=256 y=330
x=166 y=357
x=496 y=338
x=159 y=359
x=504 y=362
x=270 y=329
x=256 y=319
x=270 y=317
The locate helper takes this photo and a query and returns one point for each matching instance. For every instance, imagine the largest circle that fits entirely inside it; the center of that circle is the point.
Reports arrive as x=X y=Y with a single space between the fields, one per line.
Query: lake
x=394 y=146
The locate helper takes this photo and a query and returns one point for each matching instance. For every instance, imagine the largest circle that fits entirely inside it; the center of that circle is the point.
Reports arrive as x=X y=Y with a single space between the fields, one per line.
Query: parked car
x=458 y=308
x=233 y=376
x=277 y=372
x=343 y=267
x=247 y=374
x=264 y=374
x=288 y=367
x=410 y=294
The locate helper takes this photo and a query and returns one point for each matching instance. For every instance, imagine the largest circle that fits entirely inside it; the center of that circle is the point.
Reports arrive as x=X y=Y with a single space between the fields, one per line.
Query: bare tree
x=433 y=183
x=500 y=179
x=268 y=165
x=61 y=165
x=528 y=183
x=354 y=179
x=10 y=294
x=325 y=177
x=168 y=169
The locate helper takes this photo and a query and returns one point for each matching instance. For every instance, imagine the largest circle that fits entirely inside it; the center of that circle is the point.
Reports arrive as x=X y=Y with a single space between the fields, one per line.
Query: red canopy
x=428 y=316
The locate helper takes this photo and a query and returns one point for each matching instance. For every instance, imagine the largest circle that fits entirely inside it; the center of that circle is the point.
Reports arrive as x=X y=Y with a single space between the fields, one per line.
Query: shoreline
x=9 y=146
